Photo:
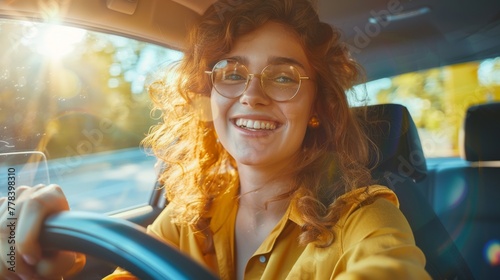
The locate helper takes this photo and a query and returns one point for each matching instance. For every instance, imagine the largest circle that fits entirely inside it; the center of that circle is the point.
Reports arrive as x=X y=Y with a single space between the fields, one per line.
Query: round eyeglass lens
x=229 y=78
x=281 y=82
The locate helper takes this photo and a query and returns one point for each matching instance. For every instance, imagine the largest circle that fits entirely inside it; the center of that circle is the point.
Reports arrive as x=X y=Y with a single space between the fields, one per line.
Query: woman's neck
x=259 y=187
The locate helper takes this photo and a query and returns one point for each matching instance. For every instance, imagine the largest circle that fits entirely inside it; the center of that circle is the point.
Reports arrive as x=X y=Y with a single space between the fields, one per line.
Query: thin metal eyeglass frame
x=250 y=77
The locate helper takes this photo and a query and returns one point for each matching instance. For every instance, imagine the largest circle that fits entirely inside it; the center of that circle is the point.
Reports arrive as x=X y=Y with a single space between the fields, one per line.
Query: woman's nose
x=254 y=95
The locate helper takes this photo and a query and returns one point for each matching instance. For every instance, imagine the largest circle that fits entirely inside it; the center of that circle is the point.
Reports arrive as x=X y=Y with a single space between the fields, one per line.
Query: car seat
x=467 y=194
x=399 y=163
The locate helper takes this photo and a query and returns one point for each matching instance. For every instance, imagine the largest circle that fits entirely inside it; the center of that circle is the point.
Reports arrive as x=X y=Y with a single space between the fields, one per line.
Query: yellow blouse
x=373 y=241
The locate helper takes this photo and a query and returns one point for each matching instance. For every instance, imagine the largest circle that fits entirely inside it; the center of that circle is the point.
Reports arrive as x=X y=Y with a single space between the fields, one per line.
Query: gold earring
x=314 y=122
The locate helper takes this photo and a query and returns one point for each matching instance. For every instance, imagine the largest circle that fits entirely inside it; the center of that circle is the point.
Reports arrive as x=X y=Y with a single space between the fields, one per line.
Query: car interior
x=450 y=200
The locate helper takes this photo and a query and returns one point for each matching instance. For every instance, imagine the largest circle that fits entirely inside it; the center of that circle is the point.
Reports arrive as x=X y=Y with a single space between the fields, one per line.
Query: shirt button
x=262 y=259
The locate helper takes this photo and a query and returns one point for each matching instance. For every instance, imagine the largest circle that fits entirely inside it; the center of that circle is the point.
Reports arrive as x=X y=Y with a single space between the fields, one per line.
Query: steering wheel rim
x=121 y=242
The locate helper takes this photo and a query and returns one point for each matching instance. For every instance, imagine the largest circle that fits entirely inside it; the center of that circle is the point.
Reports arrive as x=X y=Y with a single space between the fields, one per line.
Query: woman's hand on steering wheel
x=22 y=214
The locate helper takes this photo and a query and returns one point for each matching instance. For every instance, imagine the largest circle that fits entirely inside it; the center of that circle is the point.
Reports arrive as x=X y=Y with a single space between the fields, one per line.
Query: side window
x=438 y=99
x=73 y=103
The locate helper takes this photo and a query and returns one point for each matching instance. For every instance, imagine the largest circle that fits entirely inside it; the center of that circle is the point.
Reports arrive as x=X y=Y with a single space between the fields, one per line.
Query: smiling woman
x=223 y=130
x=275 y=184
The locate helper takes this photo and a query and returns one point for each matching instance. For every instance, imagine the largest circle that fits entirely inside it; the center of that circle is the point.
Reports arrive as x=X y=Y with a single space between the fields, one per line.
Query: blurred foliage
x=73 y=91
x=438 y=99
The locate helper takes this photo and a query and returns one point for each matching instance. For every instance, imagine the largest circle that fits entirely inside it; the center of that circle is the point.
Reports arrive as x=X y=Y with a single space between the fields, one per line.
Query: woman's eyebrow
x=271 y=60
x=285 y=60
x=241 y=59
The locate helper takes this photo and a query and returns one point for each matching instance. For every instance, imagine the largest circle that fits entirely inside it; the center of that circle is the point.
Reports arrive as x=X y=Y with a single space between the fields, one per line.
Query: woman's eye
x=233 y=77
x=283 y=79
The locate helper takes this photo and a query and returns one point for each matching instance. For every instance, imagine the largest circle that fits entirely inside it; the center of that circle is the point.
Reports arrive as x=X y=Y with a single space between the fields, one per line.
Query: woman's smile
x=255 y=125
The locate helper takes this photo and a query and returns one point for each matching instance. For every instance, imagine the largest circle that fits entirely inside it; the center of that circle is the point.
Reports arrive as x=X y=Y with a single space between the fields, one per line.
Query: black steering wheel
x=123 y=243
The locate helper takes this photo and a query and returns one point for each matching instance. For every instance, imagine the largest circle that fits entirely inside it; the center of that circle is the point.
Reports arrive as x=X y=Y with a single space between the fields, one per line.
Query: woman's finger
x=40 y=203
x=57 y=264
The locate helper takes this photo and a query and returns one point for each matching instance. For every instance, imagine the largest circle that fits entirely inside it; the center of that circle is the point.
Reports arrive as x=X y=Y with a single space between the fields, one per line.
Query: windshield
x=78 y=98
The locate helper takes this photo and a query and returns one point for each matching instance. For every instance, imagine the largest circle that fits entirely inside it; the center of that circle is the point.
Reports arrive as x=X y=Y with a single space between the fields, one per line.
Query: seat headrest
x=391 y=128
x=481 y=141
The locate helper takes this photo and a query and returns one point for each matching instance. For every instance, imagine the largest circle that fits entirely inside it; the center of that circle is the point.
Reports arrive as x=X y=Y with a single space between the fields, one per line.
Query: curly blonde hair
x=198 y=169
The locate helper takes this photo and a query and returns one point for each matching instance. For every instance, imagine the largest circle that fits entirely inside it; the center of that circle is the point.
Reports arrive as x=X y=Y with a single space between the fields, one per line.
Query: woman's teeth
x=255 y=124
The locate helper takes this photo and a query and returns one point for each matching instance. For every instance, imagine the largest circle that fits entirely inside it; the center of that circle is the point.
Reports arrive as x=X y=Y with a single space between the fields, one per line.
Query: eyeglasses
x=280 y=82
